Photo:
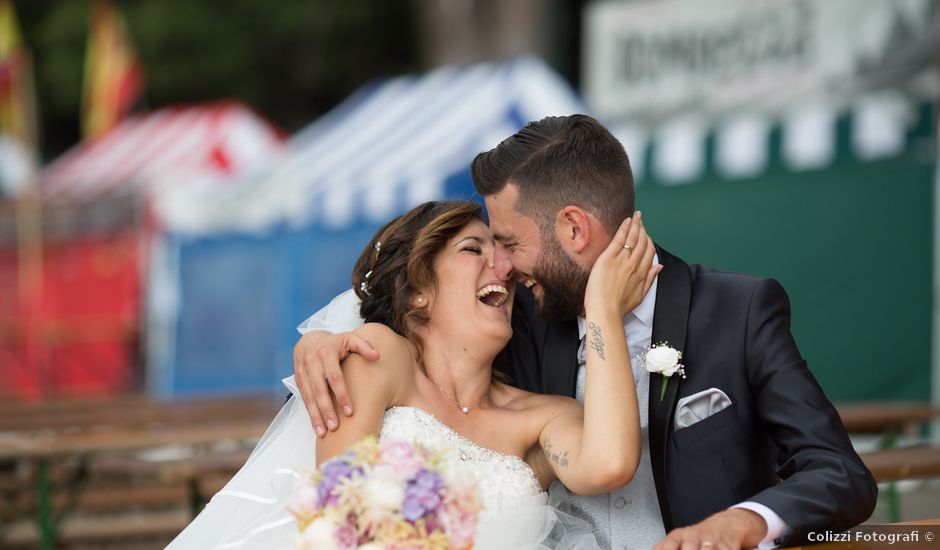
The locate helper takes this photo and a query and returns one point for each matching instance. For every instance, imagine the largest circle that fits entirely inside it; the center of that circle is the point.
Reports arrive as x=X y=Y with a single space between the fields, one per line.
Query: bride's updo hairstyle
x=399 y=262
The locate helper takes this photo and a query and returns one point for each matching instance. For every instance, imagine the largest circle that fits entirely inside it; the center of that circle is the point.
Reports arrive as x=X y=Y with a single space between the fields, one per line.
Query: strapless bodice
x=505 y=480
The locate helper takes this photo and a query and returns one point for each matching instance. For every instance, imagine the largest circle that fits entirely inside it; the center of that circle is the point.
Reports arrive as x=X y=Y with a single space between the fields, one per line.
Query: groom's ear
x=573 y=228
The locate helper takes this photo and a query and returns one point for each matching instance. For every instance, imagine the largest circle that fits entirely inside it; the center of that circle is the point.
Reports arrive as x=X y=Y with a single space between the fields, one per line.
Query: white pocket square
x=699 y=406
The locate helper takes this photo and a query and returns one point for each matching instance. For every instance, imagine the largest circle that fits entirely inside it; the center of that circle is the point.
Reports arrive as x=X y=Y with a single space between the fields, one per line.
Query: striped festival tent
x=83 y=334
x=242 y=266
x=217 y=141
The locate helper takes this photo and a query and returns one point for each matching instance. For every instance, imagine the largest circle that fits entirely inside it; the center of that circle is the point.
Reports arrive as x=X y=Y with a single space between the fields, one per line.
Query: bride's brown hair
x=399 y=262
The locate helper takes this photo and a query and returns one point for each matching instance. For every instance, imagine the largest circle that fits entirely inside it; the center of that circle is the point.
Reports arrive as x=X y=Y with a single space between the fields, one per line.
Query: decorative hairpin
x=364 y=285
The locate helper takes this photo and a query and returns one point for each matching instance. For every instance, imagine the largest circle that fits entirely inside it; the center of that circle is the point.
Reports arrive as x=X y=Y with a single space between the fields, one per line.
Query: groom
x=744 y=450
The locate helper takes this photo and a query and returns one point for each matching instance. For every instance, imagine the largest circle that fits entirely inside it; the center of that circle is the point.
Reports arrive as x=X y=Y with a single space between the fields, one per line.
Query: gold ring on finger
x=628 y=248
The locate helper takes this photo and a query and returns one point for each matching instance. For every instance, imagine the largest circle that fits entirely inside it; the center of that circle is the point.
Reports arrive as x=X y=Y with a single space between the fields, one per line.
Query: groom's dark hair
x=560 y=161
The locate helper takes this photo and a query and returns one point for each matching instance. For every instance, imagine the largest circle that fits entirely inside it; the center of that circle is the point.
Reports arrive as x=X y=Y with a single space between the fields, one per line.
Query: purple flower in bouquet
x=334 y=471
x=428 y=480
x=337 y=468
x=422 y=495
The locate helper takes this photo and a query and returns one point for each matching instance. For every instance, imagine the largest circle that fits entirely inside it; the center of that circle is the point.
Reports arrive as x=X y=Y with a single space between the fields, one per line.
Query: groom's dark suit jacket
x=781 y=442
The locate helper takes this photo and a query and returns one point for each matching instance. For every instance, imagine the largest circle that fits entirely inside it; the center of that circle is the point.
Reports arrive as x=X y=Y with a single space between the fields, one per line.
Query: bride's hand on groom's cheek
x=727 y=530
x=624 y=272
x=319 y=377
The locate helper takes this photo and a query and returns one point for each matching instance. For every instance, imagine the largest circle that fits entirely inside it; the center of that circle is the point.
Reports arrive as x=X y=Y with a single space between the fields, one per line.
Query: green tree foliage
x=291 y=60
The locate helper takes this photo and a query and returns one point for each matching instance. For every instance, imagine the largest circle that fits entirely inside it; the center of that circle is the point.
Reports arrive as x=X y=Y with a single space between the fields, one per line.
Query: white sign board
x=646 y=59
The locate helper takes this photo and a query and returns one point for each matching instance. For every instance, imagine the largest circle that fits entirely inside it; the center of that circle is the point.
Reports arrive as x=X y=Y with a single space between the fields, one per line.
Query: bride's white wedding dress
x=251 y=511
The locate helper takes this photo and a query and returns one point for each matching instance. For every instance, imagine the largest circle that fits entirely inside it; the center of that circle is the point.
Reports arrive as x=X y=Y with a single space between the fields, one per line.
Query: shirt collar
x=642 y=313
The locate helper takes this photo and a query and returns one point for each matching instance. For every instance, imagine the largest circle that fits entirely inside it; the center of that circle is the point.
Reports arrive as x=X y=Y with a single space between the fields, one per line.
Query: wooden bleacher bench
x=110 y=487
x=171 y=470
x=156 y=529
x=128 y=499
x=891 y=419
x=898 y=464
x=126 y=412
x=876 y=417
x=97 y=498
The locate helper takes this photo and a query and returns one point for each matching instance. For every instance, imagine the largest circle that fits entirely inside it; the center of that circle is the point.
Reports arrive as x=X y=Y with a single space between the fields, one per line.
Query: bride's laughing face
x=468 y=295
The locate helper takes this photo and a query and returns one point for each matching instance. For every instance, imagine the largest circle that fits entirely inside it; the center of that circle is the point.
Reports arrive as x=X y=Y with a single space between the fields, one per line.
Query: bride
x=438 y=315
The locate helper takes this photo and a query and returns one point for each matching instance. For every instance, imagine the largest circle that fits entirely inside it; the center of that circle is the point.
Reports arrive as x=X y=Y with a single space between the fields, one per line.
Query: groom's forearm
x=825 y=483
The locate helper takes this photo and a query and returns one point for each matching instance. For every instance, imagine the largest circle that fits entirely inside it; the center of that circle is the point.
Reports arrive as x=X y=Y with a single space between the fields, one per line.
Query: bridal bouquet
x=388 y=495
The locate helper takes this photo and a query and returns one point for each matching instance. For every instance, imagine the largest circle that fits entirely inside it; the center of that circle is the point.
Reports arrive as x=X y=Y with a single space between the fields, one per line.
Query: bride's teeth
x=491 y=288
x=497 y=301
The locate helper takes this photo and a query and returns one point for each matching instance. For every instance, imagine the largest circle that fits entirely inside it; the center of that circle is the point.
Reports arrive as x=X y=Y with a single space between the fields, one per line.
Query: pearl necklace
x=463 y=409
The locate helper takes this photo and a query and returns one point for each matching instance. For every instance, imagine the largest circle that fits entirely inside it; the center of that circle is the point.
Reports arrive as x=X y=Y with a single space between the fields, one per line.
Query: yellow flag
x=113 y=76
x=18 y=133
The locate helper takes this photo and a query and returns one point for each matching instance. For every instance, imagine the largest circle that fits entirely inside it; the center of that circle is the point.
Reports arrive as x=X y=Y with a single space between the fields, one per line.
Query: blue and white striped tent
x=389 y=146
x=238 y=269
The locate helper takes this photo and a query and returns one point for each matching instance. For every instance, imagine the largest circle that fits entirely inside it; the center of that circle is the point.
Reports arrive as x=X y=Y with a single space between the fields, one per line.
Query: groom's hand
x=317 y=358
x=728 y=530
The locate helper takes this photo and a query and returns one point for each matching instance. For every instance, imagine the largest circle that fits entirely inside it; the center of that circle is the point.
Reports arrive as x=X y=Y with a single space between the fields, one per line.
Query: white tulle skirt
x=251 y=510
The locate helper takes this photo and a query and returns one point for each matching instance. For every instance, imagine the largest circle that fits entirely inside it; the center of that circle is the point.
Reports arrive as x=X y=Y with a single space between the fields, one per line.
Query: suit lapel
x=560 y=358
x=670 y=321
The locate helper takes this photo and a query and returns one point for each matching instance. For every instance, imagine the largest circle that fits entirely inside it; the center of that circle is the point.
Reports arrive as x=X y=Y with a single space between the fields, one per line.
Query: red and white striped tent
x=218 y=141
x=97 y=243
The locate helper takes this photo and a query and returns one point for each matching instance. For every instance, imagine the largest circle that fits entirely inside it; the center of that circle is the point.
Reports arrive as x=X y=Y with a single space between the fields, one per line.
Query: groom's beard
x=563 y=282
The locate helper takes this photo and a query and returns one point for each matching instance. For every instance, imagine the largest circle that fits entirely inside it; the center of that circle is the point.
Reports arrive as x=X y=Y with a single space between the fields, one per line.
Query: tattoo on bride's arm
x=597 y=340
x=560 y=459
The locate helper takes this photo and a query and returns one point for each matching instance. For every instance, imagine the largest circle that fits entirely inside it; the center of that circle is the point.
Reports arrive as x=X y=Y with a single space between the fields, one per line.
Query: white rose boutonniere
x=665 y=360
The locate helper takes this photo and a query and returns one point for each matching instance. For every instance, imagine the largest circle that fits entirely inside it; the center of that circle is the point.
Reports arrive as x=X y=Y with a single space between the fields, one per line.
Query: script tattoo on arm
x=560 y=459
x=597 y=340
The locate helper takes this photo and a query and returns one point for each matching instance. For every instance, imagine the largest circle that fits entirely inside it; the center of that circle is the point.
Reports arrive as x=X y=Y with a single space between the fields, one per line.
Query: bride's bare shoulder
x=378 y=333
x=395 y=350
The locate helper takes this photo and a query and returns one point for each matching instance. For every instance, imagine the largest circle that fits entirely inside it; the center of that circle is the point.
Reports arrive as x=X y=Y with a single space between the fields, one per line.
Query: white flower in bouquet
x=306 y=498
x=320 y=534
x=383 y=494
